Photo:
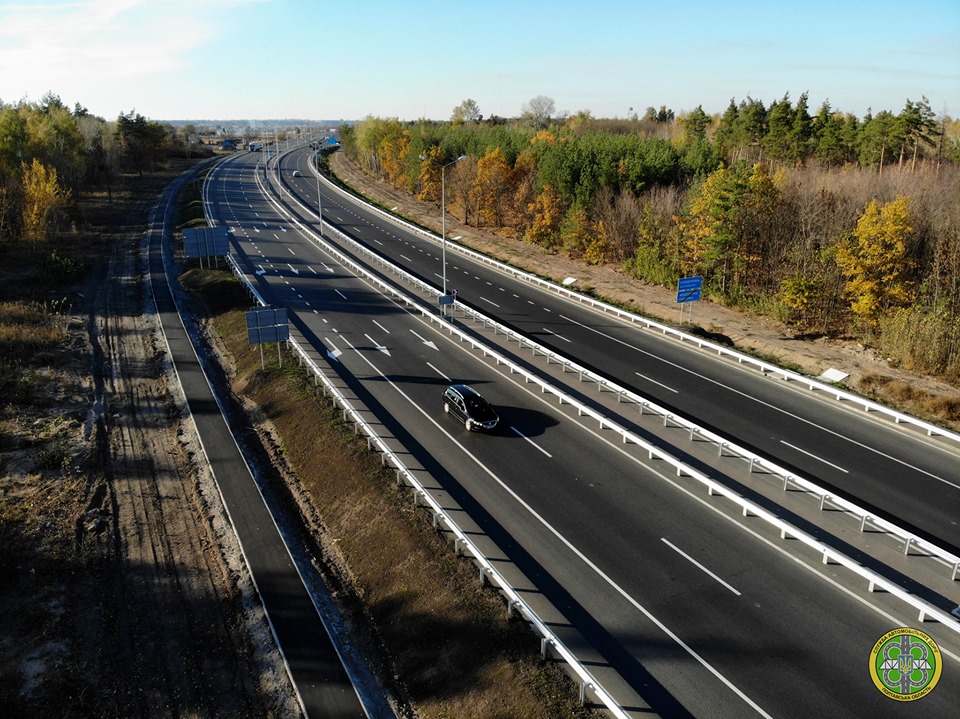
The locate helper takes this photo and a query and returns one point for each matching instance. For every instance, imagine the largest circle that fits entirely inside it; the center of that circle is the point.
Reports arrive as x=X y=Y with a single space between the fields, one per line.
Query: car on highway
x=466 y=404
x=296 y=173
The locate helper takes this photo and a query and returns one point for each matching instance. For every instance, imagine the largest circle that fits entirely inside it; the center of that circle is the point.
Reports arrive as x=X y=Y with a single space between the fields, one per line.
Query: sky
x=412 y=59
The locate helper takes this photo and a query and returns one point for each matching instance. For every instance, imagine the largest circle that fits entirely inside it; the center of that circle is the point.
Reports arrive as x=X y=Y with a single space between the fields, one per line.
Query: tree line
x=50 y=154
x=835 y=224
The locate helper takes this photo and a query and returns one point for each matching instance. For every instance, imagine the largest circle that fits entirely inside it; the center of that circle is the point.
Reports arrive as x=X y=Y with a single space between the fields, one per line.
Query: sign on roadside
x=688 y=290
x=267 y=324
x=206 y=242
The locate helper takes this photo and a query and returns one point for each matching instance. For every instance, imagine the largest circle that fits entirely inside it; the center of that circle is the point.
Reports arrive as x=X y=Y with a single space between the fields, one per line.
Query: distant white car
x=296 y=173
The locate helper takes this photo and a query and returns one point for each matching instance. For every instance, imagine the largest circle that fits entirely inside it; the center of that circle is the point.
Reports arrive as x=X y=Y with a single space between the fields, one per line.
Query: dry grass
x=910 y=398
x=27 y=327
x=447 y=639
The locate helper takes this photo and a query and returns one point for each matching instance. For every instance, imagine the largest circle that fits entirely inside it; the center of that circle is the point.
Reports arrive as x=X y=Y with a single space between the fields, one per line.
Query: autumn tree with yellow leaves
x=877 y=259
x=493 y=187
x=43 y=200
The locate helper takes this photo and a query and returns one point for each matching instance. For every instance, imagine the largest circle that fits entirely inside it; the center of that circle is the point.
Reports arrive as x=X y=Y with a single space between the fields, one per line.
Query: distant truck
x=255 y=146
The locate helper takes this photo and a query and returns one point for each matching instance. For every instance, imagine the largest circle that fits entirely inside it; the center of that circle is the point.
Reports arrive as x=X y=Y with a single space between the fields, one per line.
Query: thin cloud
x=91 y=42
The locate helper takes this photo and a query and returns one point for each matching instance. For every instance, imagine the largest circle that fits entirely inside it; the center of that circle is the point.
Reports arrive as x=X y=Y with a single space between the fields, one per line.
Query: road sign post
x=688 y=290
x=267 y=324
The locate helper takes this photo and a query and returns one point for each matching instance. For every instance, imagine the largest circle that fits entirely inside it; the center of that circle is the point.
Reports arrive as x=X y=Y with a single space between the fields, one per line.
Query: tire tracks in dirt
x=165 y=627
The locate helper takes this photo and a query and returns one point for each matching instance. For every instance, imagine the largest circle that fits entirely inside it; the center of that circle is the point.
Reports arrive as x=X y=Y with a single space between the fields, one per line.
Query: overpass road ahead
x=699 y=612
x=895 y=473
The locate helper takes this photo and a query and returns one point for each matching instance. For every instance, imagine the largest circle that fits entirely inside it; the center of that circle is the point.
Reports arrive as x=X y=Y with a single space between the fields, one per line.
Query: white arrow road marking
x=428 y=343
x=381 y=348
x=295 y=270
x=261 y=271
x=328 y=269
x=335 y=353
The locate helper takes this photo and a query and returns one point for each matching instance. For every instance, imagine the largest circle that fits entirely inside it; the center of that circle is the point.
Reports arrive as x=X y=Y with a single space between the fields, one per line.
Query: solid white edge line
x=563 y=540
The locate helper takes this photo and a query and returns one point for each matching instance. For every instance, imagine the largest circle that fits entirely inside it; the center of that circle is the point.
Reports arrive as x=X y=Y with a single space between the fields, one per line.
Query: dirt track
x=156 y=614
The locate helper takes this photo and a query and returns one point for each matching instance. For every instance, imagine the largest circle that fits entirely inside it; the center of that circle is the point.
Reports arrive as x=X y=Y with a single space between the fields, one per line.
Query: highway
x=900 y=476
x=315 y=664
x=699 y=611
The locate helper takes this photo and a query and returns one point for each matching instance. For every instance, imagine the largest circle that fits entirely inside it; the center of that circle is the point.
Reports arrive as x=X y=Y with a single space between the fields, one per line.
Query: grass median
x=444 y=641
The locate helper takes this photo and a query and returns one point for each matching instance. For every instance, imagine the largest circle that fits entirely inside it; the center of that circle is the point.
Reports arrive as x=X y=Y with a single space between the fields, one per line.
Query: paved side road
x=324 y=688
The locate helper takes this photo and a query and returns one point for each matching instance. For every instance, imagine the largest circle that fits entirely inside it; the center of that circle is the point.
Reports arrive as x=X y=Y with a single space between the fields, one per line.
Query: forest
x=49 y=154
x=838 y=226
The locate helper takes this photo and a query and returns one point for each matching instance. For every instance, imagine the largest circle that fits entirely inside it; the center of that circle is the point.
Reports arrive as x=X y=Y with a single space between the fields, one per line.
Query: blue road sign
x=688 y=289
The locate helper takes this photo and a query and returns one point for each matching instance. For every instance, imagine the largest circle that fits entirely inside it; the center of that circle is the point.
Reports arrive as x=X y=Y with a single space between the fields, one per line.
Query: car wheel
x=469 y=424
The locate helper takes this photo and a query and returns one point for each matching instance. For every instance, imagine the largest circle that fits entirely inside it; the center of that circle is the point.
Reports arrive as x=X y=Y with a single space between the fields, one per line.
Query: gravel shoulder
x=869 y=373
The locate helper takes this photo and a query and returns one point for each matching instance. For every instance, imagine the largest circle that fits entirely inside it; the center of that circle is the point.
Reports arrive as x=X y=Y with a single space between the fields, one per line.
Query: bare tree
x=538 y=111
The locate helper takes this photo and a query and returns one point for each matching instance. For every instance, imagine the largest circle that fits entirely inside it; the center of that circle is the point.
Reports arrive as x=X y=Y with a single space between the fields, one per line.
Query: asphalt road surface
x=700 y=612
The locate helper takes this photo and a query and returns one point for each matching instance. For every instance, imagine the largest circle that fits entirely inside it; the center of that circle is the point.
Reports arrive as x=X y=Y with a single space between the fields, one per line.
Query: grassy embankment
x=448 y=640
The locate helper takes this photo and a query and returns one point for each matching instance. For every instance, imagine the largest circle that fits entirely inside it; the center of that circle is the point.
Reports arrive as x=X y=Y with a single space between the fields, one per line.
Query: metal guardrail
x=462 y=541
x=828 y=554
x=764 y=367
x=788 y=478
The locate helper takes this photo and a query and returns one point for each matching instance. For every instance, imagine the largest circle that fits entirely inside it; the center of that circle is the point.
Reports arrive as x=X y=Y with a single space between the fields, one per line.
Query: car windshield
x=479 y=409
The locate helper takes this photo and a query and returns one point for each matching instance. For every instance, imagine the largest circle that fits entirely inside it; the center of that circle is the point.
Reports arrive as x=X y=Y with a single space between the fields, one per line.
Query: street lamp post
x=443 y=214
x=319 y=204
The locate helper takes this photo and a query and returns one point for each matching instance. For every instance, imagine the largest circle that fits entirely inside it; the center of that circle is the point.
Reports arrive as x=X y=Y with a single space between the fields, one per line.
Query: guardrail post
x=544 y=644
x=906 y=545
x=483 y=577
x=956 y=568
x=583 y=692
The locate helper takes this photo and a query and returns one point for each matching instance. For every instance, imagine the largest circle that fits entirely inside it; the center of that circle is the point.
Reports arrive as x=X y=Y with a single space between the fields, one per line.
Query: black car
x=466 y=404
